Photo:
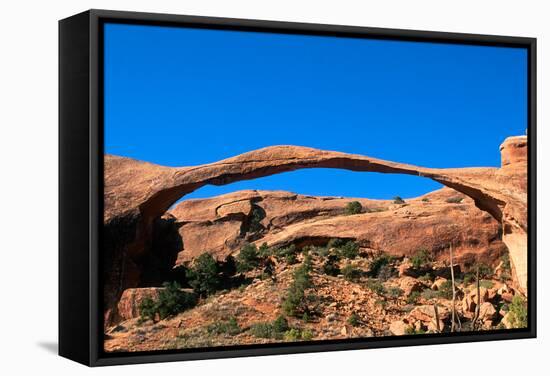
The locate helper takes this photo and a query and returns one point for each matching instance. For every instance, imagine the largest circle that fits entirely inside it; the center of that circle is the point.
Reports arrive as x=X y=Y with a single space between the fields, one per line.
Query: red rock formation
x=431 y=222
x=136 y=193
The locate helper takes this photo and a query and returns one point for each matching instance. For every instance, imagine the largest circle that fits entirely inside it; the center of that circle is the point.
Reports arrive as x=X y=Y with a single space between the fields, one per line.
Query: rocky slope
x=340 y=307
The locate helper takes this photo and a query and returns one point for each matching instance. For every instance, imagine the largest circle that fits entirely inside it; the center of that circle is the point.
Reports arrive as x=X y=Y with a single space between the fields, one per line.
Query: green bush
x=445 y=290
x=354 y=319
x=294 y=334
x=353 y=207
x=486 y=283
x=335 y=243
x=230 y=327
x=295 y=300
x=229 y=266
x=485 y=271
x=411 y=330
x=394 y=292
x=378 y=263
x=256 y=217
x=454 y=200
x=376 y=286
x=263 y=330
x=275 y=329
x=413 y=298
x=351 y=273
x=386 y=272
x=350 y=250
x=286 y=253
x=264 y=250
x=203 y=275
x=170 y=301
x=330 y=266
x=280 y=324
x=248 y=258
x=425 y=199
x=428 y=277
x=430 y=294
x=421 y=259
x=398 y=200
x=518 y=312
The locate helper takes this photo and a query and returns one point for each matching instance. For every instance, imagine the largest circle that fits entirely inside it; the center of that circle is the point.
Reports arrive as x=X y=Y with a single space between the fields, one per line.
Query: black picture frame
x=81 y=191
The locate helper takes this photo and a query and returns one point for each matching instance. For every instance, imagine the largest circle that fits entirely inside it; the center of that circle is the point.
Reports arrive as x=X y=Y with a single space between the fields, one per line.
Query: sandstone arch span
x=138 y=192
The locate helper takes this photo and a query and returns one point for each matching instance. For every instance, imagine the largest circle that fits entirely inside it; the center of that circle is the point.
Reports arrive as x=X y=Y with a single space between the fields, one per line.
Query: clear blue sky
x=180 y=97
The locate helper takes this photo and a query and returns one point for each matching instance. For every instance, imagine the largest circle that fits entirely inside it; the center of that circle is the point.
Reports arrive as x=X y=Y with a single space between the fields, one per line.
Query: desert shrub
x=353 y=207
x=468 y=278
x=454 y=200
x=376 y=286
x=269 y=269
x=228 y=267
x=421 y=259
x=428 y=277
x=486 y=283
x=203 y=275
x=170 y=301
x=147 y=309
x=335 y=243
x=398 y=200
x=230 y=327
x=378 y=263
x=394 y=292
x=518 y=312
x=255 y=219
x=263 y=330
x=306 y=335
x=485 y=271
x=280 y=324
x=294 y=334
x=386 y=272
x=286 y=253
x=445 y=290
x=264 y=250
x=429 y=294
x=413 y=298
x=354 y=319
x=425 y=199
x=506 y=272
x=351 y=273
x=349 y=250
x=330 y=266
x=291 y=259
x=275 y=329
x=248 y=258
x=295 y=300
x=411 y=330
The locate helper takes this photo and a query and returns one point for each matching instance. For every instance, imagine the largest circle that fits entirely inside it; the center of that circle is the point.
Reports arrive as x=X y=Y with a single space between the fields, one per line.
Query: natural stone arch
x=138 y=192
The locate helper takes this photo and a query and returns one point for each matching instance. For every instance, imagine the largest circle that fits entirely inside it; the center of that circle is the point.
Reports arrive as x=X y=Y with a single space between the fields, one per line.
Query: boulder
x=426 y=314
x=131 y=299
x=399 y=328
x=410 y=285
x=436 y=285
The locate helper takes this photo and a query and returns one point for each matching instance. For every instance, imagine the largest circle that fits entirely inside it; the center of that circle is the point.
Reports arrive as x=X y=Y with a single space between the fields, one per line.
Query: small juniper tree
x=248 y=258
x=203 y=275
x=353 y=207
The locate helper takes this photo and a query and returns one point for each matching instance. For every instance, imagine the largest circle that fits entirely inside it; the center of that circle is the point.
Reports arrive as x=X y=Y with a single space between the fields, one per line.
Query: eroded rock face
x=138 y=193
x=430 y=222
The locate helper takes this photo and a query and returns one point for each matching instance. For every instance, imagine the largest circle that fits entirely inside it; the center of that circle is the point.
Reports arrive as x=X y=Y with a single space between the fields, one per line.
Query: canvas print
x=264 y=188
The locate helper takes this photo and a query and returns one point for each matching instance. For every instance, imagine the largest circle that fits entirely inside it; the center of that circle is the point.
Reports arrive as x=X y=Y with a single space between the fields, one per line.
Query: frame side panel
x=74 y=186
